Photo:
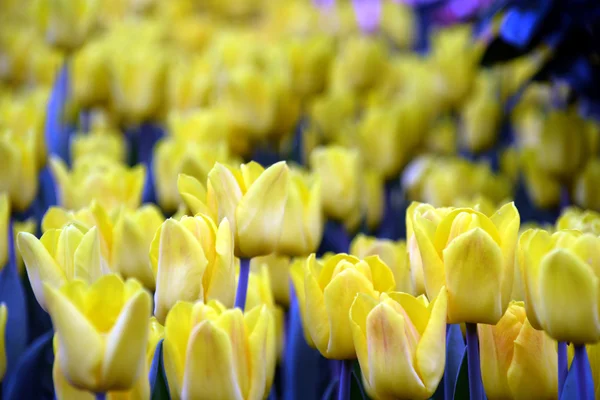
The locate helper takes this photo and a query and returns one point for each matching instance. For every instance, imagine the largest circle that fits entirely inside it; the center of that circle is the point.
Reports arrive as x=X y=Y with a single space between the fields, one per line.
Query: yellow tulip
x=175 y=156
x=18 y=168
x=193 y=33
x=60 y=256
x=517 y=361
x=192 y=260
x=473 y=256
x=279 y=273
x=333 y=111
x=140 y=390
x=3 y=318
x=542 y=188
x=90 y=74
x=96 y=178
x=25 y=226
x=560 y=278
x=340 y=170
x=206 y=126
x=309 y=59
x=398 y=23
x=302 y=225
x=585 y=192
x=113 y=317
x=190 y=83
x=327 y=292
x=106 y=143
x=259 y=293
x=218 y=353
x=393 y=254
x=44 y=64
x=400 y=344
x=585 y=221
x=16 y=44
x=253 y=199
x=373 y=199
x=67 y=24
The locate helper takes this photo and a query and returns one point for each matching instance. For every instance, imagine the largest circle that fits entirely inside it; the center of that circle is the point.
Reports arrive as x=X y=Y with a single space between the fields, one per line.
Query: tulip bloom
x=584 y=193
x=393 y=254
x=252 y=198
x=310 y=58
x=327 y=292
x=218 y=353
x=18 y=176
x=561 y=282
x=60 y=256
x=400 y=343
x=473 y=256
x=105 y=142
x=279 y=275
x=113 y=317
x=517 y=361
x=67 y=24
x=91 y=79
x=192 y=260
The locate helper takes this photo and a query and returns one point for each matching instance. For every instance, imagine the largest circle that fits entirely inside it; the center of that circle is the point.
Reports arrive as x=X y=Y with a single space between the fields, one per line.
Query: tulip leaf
x=461 y=389
x=357 y=390
x=455 y=351
x=571 y=389
x=158 y=381
x=13 y=295
x=57 y=133
x=331 y=391
x=32 y=377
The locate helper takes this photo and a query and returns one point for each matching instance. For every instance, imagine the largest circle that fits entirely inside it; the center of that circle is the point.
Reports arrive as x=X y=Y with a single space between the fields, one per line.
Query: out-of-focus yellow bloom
x=327 y=292
x=236 y=8
x=309 y=59
x=586 y=193
x=90 y=74
x=192 y=260
x=259 y=293
x=214 y=352
x=60 y=256
x=560 y=278
x=400 y=344
x=205 y=126
x=138 y=76
x=373 y=200
x=279 y=273
x=3 y=318
x=175 y=156
x=25 y=226
x=44 y=64
x=16 y=43
x=97 y=178
x=67 y=24
x=99 y=142
x=358 y=64
x=542 y=188
x=18 y=168
x=192 y=33
x=473 y=256
x=287 y=109
x=340 y=171
x=140 y=390
x=302 y=225
x=481 y=115
x=510 y=163
x=434 y=215
x=252 y=199
x=398 y=23
x=517 y=361
x=558 y=152
x=190 y=83
x=113 y=317
x=585 y=221
x=393 y=254
x=441 y=138
x=332 y=112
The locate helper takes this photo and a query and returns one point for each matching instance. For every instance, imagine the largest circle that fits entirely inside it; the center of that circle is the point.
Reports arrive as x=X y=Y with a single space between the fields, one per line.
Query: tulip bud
x=400 y=343
x=67 y=24
x=190 y=84
x=214 y=352
x=517 y=361
x=328 y=290
x=398 y=23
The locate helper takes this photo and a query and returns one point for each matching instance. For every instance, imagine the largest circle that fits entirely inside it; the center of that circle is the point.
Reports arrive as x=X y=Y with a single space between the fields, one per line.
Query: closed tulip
x=302 y=225
x=517 y=361
x=113 y=317
x=192 y=260
x=253 y=200
x=91 y=79
x=309 y=58
x=473 y=256
x=217 y=353
x=18 y=174
x=67 y=24
x=560 y=278
x=585 y=192
x=327 y=292
x=333 y=111
x=190 y=83
x=542 y=188
x=111 y=184
x=400 y=344
x=60 y=256
x=393 y=254
x=279 y=273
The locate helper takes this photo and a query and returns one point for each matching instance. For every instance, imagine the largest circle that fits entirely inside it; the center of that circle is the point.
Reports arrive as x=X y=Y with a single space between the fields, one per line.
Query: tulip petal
x=130 y=253
x=391 y=369
x=339 y=296
x=315 y=316
x=68 y=242
x=431 y=350
x=232 y=323
x=209 y=370
x=177 y=331
x=361 y=307
x=126 y=344
x=569 y=292
x=63 y=389
x=473 y=275
x=89 y=263
x=65 y=195
x=250 y=173
x=415 y=309
x=222 y=273
x=257 y=322
x=56 y=218
x=507 y=220
x=80 y=360
x=193 y=193
x=381 y=274
x=41 y=267
x=260 y=212
x=297 y=277
x=433 y=266
x=181 y=264
x=533 y=370
x=226 y=191
x=326 y=272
